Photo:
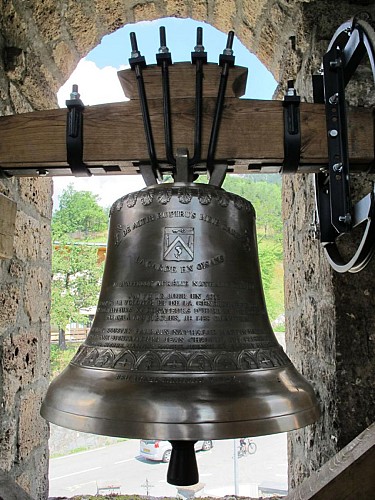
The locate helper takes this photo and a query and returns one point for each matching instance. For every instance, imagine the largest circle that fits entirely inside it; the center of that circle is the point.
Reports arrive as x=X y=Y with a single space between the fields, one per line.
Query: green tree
x=79 y=211
x=266 y=199
x=75 y=284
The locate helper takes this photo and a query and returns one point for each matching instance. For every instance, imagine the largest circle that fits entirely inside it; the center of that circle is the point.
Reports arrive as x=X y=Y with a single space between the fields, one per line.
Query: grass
x=61 y=358
x=275 y=302
x=70 y=452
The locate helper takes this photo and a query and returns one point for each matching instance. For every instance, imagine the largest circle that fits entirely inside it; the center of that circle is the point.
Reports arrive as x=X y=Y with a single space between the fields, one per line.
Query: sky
x=96 y=76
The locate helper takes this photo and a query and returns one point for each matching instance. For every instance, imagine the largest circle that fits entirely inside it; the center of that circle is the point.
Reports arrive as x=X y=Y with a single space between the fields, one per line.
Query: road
x=82 y=472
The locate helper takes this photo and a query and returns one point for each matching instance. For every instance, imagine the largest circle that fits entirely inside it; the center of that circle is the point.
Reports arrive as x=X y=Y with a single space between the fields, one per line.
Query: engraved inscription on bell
x=182 y=290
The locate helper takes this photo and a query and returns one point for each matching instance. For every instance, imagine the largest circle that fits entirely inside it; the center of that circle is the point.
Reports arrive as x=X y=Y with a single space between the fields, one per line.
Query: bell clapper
x=183 y=469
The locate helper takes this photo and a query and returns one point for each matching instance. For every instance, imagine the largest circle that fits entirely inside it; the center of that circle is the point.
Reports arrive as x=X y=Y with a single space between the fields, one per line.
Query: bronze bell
x=181 y=347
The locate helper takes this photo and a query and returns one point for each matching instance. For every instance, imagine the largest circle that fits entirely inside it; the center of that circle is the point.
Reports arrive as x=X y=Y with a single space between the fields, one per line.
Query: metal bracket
x=226 y=60
x=74 y=135
x=4 y=174
x=363 y=211
x=337 y=140
x=336 y=214
x=292 y=130
x=183 y=170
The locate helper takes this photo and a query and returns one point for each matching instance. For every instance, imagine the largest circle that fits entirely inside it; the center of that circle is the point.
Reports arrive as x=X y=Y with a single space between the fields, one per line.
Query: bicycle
x=247 y=448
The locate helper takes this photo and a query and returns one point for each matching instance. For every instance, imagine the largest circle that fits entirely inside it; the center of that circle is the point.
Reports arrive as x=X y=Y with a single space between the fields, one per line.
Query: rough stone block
x=33 y=429
x=10 y=490
x=177 y=8
x=8 y=209
x=9 y=304
x=65 y=57
x=199 y=10
x=38 y=193
x=225 y=15
x=80 y=20
x=25 y=360
x=33 y=480
x=8 y=432
x=27 y=238
x=37 y=294
x=145 y=12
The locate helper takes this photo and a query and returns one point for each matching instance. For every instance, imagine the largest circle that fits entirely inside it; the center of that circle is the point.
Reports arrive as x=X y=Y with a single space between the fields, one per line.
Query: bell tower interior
x=329 y=316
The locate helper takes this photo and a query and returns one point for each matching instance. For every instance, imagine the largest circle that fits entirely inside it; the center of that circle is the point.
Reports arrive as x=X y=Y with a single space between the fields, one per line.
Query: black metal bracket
x=4 y=174
x=292 y=130
x=226 y=61
x=182 y=165
x=198 y=58
x=74 y=135
x=336 y=215
x=164 y=60
x=137 y=63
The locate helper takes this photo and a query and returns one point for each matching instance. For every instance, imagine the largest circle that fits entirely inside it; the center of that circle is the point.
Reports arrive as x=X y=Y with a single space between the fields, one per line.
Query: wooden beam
x=251 y=133
x=182 y=81
x=348 y=475
x=8 y=210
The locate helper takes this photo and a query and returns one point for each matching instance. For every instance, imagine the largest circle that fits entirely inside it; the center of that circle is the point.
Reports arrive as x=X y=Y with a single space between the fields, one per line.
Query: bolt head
x=334 y=99
x=337 y=167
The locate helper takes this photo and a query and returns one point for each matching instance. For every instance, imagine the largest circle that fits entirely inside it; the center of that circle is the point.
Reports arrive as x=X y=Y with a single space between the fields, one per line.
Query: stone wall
x=24 y=336
x=24 y=293
x=329 y=317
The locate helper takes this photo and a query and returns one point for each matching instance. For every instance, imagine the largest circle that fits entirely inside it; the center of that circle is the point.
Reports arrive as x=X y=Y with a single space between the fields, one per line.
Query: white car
x=153 y=449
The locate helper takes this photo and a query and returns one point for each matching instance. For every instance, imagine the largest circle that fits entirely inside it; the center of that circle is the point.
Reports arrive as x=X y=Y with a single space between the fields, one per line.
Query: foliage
x=76 y=274
x=266 y=199
x=61 y=358
x=270 y=259
x=79 y=211
x=75 y=282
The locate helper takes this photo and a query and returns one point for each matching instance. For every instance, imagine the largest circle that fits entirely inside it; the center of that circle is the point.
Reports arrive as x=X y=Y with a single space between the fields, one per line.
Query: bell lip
x=182 y=431
x=213 y=414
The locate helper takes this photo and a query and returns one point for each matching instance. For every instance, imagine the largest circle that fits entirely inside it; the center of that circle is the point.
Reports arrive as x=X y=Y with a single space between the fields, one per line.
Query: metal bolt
x=163 y=49
x=334 y=99
x=133 y=41
x=337 y=63
x=291 y=91
x=314 y=229
x=199 y=47
x=337 y=167
x=333 y=133
x=42 y=172
x=228 y=49
x=345 y=218
x=75 y=95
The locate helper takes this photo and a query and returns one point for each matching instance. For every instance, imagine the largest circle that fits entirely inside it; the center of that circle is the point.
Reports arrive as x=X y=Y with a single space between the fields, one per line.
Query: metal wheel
x=167 y=456
x=207 y=445
x=252 y=448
